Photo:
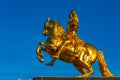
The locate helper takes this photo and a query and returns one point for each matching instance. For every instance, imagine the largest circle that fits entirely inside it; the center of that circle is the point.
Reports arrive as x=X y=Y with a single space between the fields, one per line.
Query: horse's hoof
x=41 y=60
x=77 y=76
x=84 y=75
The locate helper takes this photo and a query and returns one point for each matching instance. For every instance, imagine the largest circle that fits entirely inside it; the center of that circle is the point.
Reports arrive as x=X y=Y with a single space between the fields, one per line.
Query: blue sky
x=21 y=25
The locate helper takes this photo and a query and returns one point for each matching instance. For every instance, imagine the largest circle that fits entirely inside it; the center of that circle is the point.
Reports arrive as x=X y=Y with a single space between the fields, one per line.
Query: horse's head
x=52 y=28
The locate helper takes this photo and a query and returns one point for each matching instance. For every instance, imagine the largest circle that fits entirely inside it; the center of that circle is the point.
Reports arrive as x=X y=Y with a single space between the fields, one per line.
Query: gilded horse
x=68 y=53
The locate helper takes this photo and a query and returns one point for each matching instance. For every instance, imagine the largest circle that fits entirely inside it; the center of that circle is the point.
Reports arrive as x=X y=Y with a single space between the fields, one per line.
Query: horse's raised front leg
x=48 y=48
x=38 y=51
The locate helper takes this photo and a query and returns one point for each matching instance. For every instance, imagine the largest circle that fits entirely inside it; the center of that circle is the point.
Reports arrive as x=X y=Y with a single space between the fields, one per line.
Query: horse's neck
x=58 y=30
x=56 y=35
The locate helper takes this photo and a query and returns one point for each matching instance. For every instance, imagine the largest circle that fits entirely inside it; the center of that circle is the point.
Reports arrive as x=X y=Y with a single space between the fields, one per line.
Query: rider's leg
x=61 y=47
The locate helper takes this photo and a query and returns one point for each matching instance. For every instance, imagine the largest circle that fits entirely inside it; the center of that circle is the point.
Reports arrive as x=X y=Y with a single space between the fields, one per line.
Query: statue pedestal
x=71 y=78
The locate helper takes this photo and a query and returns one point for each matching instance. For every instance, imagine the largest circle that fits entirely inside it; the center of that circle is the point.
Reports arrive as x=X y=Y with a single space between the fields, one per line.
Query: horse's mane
x=57 y=29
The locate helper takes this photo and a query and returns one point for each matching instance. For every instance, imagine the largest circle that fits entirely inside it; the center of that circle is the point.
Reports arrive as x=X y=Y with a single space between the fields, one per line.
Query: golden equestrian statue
x=68 y=47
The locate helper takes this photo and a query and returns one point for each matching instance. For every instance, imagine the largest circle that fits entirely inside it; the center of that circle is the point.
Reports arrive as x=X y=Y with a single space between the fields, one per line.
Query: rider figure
x=71 y=37
x=71 y=33
x=72 y=29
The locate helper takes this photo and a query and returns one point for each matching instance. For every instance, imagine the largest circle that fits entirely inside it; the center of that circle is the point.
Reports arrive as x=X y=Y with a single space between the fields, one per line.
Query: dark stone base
x=71 y=78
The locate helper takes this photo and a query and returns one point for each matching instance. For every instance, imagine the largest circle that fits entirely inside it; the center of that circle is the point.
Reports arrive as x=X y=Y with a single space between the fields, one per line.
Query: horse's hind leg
x=81 y=69
x=84 y=69
x=91 y=71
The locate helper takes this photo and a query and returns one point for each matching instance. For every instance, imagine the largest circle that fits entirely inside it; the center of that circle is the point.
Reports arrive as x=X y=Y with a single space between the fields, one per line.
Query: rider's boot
x=56 y=56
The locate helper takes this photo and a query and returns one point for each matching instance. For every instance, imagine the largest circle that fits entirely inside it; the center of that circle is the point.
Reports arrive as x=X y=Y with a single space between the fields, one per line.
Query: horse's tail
x=103 y=66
